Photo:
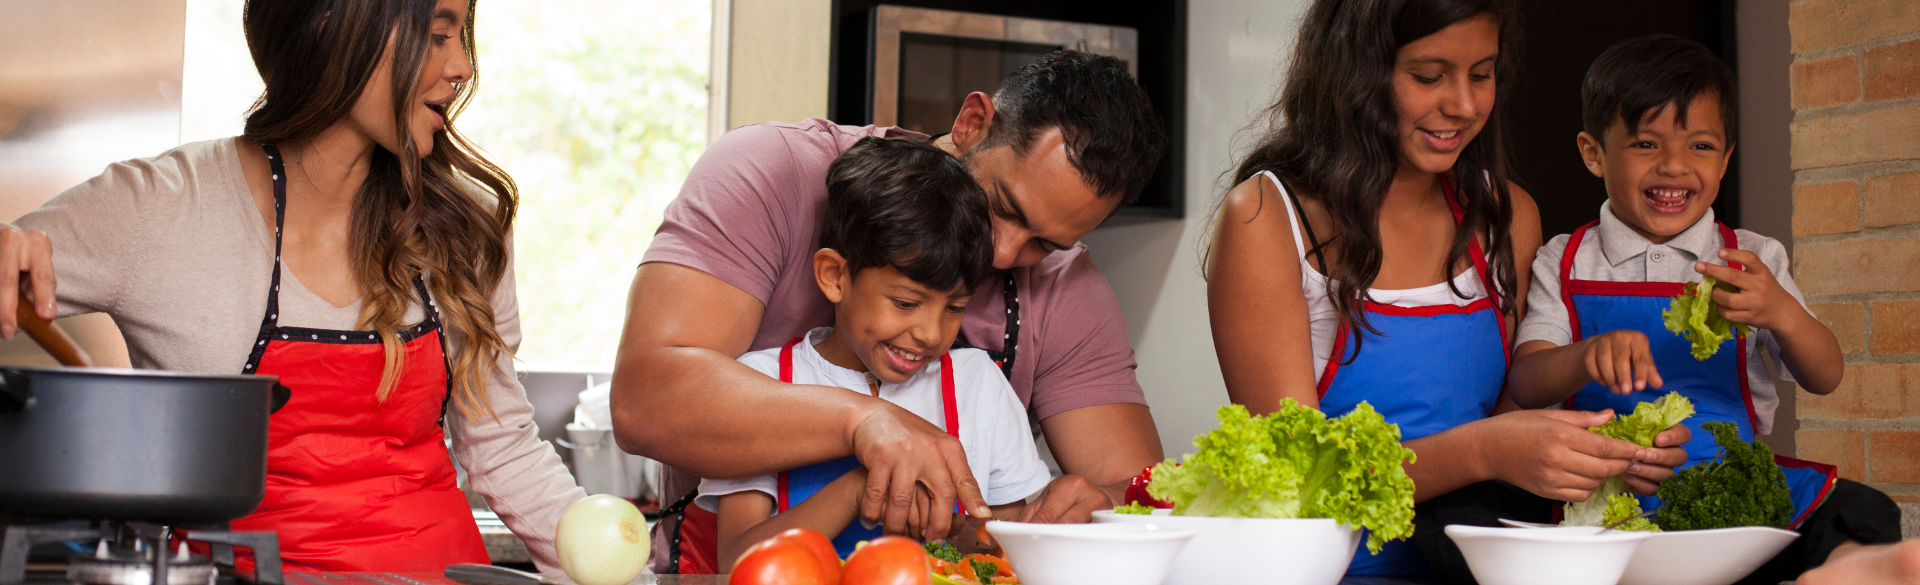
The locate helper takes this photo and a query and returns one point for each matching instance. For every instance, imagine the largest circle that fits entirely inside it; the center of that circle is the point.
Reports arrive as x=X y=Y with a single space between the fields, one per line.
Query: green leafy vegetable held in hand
x=1133 y=508
x=1296 y=463
x=943 y=551
x=1741 y=487
x=1622 y=506
x=1639 y=428
x=1695 y=317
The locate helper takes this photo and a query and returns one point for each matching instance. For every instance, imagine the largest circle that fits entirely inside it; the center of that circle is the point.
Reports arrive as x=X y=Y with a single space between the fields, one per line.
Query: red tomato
x=778 y=563
x=888 y=560
x=815 y=543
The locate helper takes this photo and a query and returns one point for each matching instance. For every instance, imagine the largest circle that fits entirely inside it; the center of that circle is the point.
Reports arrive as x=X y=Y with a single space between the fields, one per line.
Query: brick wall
x=1856 y=227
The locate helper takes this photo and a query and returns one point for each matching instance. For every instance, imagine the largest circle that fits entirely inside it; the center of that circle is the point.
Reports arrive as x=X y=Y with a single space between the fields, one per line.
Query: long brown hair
x=413 y=214
x=1334 y=135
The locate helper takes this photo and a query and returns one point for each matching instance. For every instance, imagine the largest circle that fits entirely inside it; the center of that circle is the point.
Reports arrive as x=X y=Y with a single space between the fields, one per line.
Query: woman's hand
x=1656 y=464
x=1551 y=453
x=911 y=465
x=31 y=253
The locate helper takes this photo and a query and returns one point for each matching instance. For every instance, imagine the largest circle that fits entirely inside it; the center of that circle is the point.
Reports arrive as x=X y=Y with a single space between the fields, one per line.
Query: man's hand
x=1070 y=499
x=1879 y=564
x=31 y=253
x=915 y=471
x=1621 y=361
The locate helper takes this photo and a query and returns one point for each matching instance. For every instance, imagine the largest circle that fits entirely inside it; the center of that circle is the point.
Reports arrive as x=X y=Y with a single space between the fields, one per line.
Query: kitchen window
x=597 y=108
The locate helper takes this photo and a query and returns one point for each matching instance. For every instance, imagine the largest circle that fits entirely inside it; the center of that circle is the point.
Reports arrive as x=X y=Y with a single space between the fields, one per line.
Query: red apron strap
x=1566 y=288
x=1731 y=241
x=1334 y=358
x=786 y=375
x=947 y=400
x=1479 y=266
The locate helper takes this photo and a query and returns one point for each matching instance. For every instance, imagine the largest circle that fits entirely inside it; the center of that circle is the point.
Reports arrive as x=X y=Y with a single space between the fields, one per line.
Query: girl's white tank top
x=1323 y=321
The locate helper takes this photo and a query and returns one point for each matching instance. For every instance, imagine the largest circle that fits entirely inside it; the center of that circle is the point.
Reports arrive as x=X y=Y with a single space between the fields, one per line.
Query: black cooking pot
x=136 y=445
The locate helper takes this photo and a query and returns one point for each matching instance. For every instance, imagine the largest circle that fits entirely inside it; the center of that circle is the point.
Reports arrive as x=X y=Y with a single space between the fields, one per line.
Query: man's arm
x=681 y=398
x=1100 y=448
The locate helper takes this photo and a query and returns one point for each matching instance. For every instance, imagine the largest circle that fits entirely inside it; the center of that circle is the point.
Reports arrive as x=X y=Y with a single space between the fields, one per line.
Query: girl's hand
x=1760 y=301
x=1552 y=454
x=31 y=253
x=1621 y=361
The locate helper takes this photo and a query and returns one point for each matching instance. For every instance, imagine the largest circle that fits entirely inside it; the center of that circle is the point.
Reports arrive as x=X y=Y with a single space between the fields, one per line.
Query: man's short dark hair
x=1113 y=137
x=906 y=204
x=1652 y=72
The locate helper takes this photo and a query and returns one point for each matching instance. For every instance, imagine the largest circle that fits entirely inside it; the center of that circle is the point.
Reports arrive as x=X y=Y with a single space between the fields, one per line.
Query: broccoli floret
x=1133 y=508
x=1741 y=487
x=943 y=551
x=983 y=571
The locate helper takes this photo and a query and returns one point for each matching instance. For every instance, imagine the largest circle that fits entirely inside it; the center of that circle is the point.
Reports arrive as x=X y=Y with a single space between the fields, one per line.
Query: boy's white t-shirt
x=993 y=424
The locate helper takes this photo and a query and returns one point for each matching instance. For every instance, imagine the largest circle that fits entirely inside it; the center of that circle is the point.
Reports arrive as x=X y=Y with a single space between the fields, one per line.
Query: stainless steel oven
x=924 y=62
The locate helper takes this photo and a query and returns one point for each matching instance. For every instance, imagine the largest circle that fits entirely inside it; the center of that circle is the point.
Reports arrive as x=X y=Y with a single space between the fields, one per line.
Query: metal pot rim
x=130 y=372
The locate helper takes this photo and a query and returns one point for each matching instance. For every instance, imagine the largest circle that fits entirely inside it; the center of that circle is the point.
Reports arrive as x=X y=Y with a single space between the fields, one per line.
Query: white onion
x=602 y=540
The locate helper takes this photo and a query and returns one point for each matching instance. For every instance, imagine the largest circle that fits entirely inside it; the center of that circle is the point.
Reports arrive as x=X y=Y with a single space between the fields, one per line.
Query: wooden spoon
x=50 y=338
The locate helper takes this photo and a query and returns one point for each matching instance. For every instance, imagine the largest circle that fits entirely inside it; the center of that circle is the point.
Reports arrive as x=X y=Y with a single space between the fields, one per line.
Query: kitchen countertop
x=722 y=580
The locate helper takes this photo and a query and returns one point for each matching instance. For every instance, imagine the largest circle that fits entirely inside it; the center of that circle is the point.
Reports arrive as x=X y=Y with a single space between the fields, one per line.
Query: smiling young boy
x=1659 y=114
x=903 y=243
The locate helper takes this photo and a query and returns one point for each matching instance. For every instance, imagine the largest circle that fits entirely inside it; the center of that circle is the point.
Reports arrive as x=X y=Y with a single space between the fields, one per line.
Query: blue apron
x=800 y=483
x=1428 y=369
x=1717 y=387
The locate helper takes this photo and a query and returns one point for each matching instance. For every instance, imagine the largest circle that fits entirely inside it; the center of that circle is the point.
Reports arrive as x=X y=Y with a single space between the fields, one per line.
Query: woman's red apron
x=355 y=483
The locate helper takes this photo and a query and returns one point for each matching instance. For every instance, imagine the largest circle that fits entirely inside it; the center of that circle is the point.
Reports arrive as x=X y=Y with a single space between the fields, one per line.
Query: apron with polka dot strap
x=355 y=483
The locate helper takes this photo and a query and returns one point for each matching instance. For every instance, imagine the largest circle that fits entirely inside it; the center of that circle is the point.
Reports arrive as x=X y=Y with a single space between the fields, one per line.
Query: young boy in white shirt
x=1659 y=116
x=904 y=240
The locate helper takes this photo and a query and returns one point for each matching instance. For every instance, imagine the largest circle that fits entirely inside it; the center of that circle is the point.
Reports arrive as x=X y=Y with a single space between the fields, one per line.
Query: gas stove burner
x=133 y=553
x=124 y=567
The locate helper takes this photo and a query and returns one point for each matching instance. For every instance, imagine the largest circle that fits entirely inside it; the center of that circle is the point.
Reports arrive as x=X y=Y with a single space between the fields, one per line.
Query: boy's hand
x=1621 y=361
x=1760 y=301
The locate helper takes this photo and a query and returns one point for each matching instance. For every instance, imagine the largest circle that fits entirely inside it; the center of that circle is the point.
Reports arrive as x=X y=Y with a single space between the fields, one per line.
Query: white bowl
x=1566 y=555
x=1267 y=551
x=1700 y=557
x=1705 y=557
x=1109 y=554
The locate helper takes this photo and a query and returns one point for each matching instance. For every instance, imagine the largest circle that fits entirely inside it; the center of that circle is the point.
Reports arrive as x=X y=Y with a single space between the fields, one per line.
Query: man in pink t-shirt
x=1060 y=146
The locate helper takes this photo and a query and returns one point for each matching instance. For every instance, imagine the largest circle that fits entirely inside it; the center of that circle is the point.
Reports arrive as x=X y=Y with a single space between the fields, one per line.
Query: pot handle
x=281 y=394
x=14 y=391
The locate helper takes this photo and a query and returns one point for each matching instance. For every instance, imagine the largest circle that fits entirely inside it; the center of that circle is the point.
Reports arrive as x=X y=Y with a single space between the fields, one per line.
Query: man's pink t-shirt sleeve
x=732 y=218
x=1085 y=357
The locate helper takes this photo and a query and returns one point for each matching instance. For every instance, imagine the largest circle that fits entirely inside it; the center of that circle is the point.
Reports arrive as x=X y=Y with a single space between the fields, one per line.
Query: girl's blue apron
x=800 y=483
x=1717 y=387
x=1427 y=370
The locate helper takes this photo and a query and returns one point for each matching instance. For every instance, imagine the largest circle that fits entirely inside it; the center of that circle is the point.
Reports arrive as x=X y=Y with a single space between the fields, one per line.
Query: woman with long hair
x=1374 y=249
x=351 y=243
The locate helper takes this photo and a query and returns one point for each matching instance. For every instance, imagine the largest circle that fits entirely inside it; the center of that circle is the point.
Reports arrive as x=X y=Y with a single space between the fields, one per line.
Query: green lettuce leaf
x=1622 y=506
x=1639 y=428
x=1296 y=463
x=1694 y=317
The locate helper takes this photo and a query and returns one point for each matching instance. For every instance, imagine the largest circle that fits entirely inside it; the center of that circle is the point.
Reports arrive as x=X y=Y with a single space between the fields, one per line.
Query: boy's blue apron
x=800 y=483
x=1428 y=369
x=1717 y=387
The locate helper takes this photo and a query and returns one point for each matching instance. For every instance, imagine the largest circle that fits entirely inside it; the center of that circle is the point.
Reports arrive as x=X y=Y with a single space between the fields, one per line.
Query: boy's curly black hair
x=1649 y=73
x=906 y=204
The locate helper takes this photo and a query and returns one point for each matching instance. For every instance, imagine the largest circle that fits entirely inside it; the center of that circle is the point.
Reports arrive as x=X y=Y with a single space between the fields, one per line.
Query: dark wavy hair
x=413 y=214
x=1113 y=137
x=906 y=204
x=1334 y=135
